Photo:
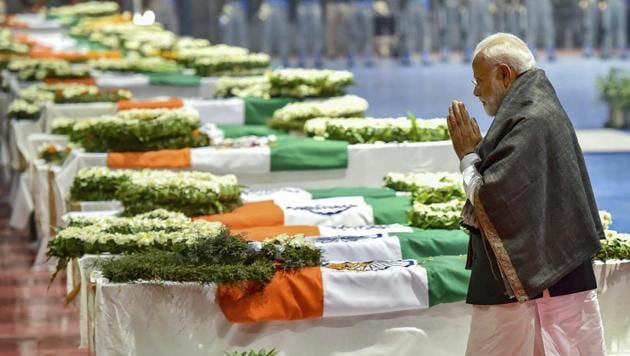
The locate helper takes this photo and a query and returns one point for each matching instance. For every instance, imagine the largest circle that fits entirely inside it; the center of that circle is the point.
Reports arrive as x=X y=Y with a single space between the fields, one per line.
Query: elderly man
x=533 y=222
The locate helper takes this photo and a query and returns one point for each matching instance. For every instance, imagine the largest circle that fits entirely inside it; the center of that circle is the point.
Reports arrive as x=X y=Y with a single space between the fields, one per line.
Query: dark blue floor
x=611 y=184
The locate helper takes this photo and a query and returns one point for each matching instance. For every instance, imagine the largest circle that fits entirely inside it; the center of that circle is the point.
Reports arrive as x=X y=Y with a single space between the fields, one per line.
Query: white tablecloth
x=135 y=319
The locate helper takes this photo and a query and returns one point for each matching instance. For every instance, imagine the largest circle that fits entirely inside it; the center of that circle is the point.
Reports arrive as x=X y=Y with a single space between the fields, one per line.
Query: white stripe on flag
x=348 y=211
x=223 y=111
x=254 y=160
x=369 y=249
x=363 y=230
x=348 y=293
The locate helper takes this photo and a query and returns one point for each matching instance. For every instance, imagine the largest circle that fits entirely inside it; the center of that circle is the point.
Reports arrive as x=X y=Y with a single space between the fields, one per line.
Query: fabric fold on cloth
x=84 y=81
x=336 y=289
x=298 y=154
x=173 y=159
x=350 y=211
x=172 y=103
x=259 y=110
x=174 y=79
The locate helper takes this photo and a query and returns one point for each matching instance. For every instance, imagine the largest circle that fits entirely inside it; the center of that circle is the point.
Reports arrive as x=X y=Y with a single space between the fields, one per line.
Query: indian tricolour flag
x=338 y=289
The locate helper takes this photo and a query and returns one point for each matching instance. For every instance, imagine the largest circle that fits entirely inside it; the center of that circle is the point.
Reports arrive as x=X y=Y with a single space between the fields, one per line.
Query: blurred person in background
x=274 y=15
x=591 y=12
x=540 y=24
x=415 y=30
x=336 y=13
x=478 y=24
x=311 y=30
x=449 y=19
x=234 y=23
x=614 y=25
x=568 y=18
x=165 y=13
x=359 y=26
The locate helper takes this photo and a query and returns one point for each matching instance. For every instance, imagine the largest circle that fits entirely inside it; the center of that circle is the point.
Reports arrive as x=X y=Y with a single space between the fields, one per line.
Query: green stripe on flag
x=84 y=42
x=174 y=79
x=235 y=131
x=302 y=154
x=424 y=243
x=448 y=279
x=352 y=192
x=391 y=210
x=259 y=110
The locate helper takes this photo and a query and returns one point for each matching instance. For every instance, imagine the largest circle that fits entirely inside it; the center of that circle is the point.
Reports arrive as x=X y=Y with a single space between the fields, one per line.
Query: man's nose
x=476 y=91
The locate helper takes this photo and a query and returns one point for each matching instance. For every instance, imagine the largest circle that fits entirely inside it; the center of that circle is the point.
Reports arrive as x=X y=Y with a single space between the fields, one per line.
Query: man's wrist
x=468 y=160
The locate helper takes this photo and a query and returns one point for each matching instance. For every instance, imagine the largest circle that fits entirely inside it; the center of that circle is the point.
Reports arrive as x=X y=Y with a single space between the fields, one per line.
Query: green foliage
x=614 y=247
x=615 y=87
x=231 y=65
x=97 y=184
x=223 y=259
x=168 y=129
x=436 y=216
x=369 y=130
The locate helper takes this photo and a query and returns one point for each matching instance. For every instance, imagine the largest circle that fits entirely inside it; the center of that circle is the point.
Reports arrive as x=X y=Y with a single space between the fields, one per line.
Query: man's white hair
x=507 y=49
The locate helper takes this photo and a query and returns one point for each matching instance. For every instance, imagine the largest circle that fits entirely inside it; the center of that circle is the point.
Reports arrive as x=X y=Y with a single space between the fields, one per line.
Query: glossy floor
x=33 y=317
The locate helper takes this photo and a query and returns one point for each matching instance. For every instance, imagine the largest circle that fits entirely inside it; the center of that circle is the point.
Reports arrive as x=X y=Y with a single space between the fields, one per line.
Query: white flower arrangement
x=157 y=229
x=606 y=219
x=371 y=130
x=436 y=216
x=293 y=116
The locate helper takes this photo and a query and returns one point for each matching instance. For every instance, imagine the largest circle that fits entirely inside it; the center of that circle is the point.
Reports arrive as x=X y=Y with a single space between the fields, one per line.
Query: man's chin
x=490 y=111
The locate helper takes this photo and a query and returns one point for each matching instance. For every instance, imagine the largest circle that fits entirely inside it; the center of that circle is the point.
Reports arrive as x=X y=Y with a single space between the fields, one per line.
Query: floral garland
x=224 y=260
x=40 y=69
x=136 y=64
x=92 y=9
x=436 y=216
x=22 y=109
x=98 y=183
x=293 y=116
x=297 y=83
x=158 y=229
x=614 y=247
x=140 y=130
x=370 y=130
x=192 y=193
x=304 y=83
x=54 y=153
x=237 y=65
x=257 y=86
x=428 y=188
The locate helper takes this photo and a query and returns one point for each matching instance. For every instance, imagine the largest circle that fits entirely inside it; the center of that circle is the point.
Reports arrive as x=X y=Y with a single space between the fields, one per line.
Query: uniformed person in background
x=415 y=30
x=336 y=12
x=614 y=25
x=311 y=30
x=449 y=20
x=540 y=24
x=274 y=15
x=359 y=25
x=591 y=17
x=568 y=19
x=234 y=23
x=478 y=24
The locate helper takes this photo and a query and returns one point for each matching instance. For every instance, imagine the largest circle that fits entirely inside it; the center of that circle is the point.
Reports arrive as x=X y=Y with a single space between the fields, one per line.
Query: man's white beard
x=493 y=103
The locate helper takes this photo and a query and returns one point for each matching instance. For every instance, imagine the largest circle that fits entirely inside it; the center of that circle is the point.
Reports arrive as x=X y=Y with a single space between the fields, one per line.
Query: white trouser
x=563 y=325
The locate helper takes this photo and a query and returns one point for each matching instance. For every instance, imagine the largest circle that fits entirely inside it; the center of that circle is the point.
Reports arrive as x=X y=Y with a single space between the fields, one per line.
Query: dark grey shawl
x=535 y=206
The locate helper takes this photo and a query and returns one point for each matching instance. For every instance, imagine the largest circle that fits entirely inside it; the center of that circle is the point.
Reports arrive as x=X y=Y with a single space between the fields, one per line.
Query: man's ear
x=505 y=74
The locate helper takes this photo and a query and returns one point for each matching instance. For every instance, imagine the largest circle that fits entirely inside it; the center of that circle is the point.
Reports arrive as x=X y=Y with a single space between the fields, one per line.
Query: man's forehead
x=480 y=65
